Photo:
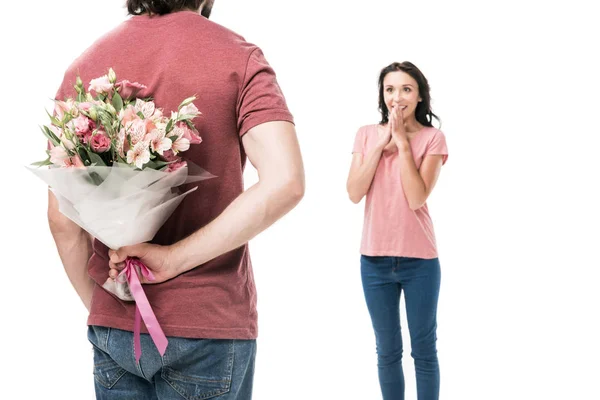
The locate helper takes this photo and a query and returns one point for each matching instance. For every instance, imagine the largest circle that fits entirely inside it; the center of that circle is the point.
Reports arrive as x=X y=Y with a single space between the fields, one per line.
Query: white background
x=515 y=210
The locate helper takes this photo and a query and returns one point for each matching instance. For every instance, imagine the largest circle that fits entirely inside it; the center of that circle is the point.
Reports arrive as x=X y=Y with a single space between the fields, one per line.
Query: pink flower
x=63 y=107
x=128 y=115
x=85 y=106
x=100 y=142
x=139 y=155
x=150 y=125
x=81 y=125
x=101 y=85
x=169 y=155
x=189 y=134
x=175 y=166
x=68 y=144
x=128 y=89
x=75 y=162
x=58 y=155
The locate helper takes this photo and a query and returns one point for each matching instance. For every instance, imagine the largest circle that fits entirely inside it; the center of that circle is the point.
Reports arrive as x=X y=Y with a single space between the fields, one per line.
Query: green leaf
x=96 y=159
x=169 y=126
x=160 y=163
x=139 y=114
x=53 y=119
x=150 y=164
x=186 y=117
x=156 y=164
x=42 y=163
x=117 y=102
x=50 y=135
x=84 y=157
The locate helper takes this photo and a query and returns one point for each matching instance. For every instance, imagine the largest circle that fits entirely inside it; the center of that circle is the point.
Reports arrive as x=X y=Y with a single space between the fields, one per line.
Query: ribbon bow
x=133 y=266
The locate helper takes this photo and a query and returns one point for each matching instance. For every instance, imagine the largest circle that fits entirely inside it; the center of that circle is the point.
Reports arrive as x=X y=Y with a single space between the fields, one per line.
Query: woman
x=396 y=164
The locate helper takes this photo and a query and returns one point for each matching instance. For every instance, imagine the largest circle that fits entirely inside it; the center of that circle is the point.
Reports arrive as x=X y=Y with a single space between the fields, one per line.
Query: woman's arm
x=417 y=183
x=362 y=171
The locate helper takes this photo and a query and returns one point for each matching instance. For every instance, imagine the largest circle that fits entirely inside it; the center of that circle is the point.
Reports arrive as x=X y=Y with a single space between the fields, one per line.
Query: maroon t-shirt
x=179 y=55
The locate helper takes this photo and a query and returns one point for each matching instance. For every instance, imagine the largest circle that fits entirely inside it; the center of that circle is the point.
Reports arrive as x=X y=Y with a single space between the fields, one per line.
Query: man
x=204 y=295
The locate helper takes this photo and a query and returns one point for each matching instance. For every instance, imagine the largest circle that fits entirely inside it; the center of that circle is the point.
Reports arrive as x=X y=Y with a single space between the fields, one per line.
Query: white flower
x=157 y=116
x=181 y=143
x=139 y=155
x=121 y=142
x=136 y=130
x=139 y=103
x=159 y=143
x=146 y=107
x=100 y=85
x=112 y=77
x=190 y=109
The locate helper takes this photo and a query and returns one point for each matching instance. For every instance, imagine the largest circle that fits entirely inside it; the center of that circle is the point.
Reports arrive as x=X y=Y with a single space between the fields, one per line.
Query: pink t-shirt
x=390 y=227
x=178 y=55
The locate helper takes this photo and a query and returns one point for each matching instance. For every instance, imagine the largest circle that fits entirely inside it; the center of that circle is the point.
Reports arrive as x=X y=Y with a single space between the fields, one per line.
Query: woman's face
x=401 y=90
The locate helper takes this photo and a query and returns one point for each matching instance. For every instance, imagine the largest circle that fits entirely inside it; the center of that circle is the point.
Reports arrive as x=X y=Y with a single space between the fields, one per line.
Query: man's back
x=176 y=56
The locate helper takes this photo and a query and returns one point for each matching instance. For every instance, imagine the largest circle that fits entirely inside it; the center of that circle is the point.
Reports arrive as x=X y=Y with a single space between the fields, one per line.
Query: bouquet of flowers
x=115 y=161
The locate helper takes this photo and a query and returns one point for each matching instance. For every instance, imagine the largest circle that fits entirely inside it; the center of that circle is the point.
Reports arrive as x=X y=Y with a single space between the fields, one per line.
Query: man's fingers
x=113 y=273
x=118 y=256
x=117 y=266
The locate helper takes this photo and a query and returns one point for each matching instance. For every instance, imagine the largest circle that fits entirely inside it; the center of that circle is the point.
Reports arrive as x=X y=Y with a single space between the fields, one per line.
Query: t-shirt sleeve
x=261 y=99
x=437 y=146
x=359 y=141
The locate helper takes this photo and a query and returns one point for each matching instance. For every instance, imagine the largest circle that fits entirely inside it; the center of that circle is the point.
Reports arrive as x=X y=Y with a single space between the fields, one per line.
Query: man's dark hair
x=161 y=7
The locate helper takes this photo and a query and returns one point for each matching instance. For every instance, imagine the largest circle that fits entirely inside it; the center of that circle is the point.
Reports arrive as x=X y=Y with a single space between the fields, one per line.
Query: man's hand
x=157 y=258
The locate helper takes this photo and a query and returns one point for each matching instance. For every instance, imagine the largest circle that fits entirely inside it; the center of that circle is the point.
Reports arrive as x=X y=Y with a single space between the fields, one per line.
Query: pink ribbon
x=133 y=266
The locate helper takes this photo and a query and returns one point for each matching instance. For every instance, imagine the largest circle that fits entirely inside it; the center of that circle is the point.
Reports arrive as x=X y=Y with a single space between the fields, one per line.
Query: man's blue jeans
x=384 y=279
x=220 y=369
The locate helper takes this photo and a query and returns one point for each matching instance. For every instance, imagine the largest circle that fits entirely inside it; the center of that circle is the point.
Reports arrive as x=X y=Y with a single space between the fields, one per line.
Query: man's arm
x=74 y=247
x=274 y=151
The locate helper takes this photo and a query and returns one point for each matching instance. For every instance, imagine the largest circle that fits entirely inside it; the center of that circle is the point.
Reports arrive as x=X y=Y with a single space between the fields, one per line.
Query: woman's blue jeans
x=384 y=279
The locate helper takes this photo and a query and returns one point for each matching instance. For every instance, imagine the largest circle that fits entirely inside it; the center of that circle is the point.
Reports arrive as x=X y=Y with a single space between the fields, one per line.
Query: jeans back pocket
x=199 y=369
x=106 y=371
